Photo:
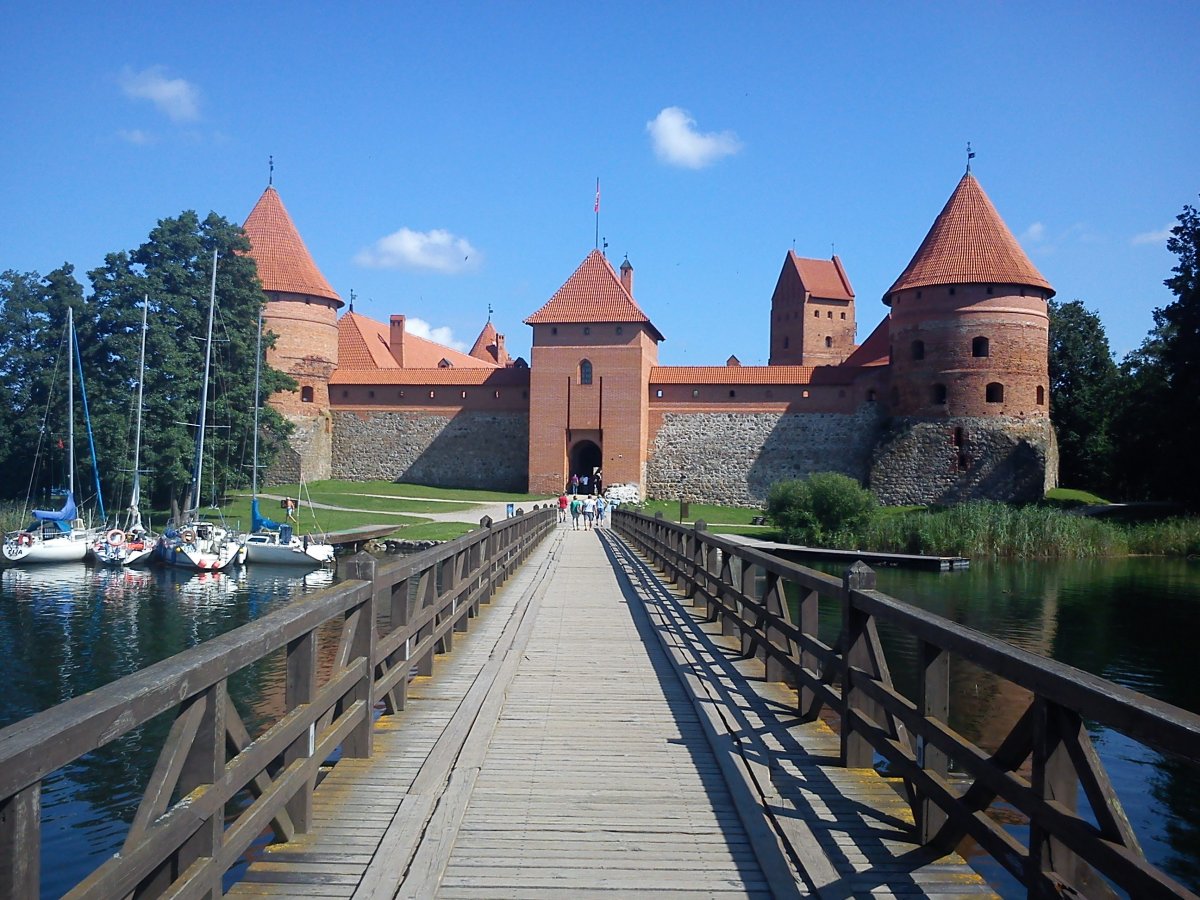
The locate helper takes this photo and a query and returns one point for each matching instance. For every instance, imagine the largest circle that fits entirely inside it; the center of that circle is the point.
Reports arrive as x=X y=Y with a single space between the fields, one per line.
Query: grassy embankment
x=982 y=530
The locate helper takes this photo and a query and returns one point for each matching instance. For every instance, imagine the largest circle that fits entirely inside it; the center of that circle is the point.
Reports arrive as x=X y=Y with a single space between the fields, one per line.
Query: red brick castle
x=945 y=400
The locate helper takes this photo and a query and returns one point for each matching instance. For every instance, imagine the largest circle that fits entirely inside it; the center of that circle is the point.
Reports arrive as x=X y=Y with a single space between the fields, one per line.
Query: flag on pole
x=596 y=208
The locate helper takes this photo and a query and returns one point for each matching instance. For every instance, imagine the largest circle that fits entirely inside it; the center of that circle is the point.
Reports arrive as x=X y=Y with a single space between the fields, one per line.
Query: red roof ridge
x=822 y=278
x=593 y=293
x=969 y=243
x=284 y=263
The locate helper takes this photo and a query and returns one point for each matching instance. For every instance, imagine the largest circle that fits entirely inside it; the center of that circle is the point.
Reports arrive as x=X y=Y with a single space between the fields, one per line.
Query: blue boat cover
x=259 y=522
x=63 y=517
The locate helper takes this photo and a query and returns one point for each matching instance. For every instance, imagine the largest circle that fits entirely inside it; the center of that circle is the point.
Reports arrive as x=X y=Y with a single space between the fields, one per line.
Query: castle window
x=939 y=395
x=843 y=315
x=658 y=393
x=829 y=315
x=496 y=394
x=585 y=372
x=1041 y=396
x=695 y=394
x=345 y=394
x=371 y=394
x=979 y=346
x=918 y=349
x=401 y=395
x=464 y=395
x=445 y=363
x=431 y=395
x=951 y=292
x=871 y=396
x=816 y=314
x=587 y=329
x=733 y=393
x=306 y=394
x=958 y=437
x=804 y=394
x=554 y=329
x=994 y=392
x=828 y=342
x=620 y=330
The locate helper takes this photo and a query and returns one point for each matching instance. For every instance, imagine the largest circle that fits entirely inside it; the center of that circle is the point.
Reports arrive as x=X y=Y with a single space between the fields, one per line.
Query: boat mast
x=71 y=402
x=135 y=495
x=257 y=376
x=198 y=467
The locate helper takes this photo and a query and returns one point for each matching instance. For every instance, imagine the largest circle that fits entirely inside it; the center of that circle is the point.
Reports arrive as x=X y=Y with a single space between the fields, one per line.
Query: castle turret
x=969 y=375
x=812 y=313
x=301 y=311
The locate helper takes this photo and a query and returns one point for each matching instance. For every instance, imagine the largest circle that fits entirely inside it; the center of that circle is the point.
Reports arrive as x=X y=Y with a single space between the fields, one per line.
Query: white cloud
x=1034 y=234
x=135 y=136
x=177 y=98
x=677 y=142
x=438 y=250
x=1153 y=237
x=440 y=335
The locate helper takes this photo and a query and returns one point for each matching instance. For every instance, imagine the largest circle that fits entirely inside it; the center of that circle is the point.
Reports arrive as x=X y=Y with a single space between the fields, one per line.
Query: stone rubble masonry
x=734 y=458
x=964 y=458
x=307 y=454
x=466 y=449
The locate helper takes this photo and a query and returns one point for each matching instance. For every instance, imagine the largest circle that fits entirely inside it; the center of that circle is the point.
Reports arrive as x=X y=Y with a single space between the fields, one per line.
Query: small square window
x=816 y=314
x=431 y=395
x=843 y=315
x=496 y=394
x=658 y=393
x=620 y=330
x=804 y=394
x=371 y=394
x=345 y=394
x=829 y=315
x=695 y=394
x=554 y=329
x=733 y=393
x=464 y=395
x=402 y=395
x=587 y=329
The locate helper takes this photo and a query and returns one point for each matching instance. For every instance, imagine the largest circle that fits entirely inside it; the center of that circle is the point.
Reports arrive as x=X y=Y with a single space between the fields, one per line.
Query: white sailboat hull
x=70 y=547
x=266 y=548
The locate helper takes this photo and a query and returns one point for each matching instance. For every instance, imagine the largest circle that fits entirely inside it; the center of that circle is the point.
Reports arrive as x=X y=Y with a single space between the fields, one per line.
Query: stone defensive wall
x=733 y=458
x=964 y=458
x=455 y=448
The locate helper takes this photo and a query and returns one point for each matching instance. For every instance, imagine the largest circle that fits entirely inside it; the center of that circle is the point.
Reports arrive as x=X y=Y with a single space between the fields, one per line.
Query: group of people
x=586 y=484
x=586 y=511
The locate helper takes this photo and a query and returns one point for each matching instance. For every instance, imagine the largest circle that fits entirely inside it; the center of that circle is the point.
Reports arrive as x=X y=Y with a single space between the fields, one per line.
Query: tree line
x=1127 y=430
x=173 y=269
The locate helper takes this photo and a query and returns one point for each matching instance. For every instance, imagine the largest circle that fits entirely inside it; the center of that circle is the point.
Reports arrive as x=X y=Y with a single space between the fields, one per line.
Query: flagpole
x=597 y=211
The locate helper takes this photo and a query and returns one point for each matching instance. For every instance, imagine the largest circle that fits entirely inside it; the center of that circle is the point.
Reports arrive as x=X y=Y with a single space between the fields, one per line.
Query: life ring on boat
x=187 y=536
x=116 y=537
x=24 y=538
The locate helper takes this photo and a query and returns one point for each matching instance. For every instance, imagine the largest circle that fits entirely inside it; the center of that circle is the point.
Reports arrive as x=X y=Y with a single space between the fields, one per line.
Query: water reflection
x=66 y=630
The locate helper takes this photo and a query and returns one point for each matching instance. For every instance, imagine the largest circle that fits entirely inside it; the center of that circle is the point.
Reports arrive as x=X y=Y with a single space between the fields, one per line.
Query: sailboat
x=131 y=544
x=197 y=544
x=56 y=535
x=272 y=542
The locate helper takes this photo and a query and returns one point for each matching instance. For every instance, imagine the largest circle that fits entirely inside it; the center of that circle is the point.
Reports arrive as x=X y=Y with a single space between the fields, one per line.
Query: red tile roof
x=874 y=350
x=969 y=243
x=489 y=346
x=825 y=279
x=594 y=293
x=365 y=344
x=752 y=374
x=284 y=263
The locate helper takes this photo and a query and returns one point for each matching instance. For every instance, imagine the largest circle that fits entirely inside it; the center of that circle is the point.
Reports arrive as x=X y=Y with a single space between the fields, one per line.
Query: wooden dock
x=589 y=735
x=800 y=554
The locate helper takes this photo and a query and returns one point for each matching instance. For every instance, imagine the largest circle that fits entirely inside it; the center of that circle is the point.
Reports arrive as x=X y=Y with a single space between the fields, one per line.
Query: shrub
x=820 y=509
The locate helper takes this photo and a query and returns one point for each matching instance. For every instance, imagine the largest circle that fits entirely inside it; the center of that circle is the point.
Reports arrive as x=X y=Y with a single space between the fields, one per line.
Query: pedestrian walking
x=601 y=509
x=576 y=511
x=589 y=513
x=562 y=508
x=574 y=485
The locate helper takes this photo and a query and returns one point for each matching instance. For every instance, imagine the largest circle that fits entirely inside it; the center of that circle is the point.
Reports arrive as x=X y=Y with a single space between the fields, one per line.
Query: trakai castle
x=947 y=399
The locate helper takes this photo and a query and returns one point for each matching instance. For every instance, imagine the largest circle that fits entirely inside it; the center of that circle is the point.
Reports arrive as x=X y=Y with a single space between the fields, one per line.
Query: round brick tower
x=969 y=373
x=302 y=313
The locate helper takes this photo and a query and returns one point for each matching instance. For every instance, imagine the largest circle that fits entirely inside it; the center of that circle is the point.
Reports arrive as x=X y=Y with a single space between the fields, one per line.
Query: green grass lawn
x=392 y=489
x=1073 y=497
x=710 y=513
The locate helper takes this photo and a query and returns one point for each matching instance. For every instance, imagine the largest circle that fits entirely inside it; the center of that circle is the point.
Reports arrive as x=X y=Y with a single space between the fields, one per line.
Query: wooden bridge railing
x=1067 y=852
x=389 y=616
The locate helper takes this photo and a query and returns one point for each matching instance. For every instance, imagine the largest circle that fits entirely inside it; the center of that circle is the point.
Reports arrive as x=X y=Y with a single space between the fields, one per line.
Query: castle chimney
x=501 y=353
x=396 y=340
x=627 y=276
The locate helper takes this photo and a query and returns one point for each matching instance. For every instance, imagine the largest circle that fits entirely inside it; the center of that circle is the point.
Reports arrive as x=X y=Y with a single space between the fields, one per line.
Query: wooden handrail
x=746 y=591
x=391 y=615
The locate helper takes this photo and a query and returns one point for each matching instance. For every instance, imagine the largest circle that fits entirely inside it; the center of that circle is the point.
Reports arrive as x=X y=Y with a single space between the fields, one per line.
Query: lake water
x=66 y=630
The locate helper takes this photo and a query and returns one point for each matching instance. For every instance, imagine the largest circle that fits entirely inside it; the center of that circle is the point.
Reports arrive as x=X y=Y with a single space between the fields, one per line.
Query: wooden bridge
x=533 y=711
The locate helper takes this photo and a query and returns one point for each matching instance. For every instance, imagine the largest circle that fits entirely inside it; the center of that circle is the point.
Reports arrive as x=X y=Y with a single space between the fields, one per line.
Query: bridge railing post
x=301 y=688
x=808 y=616
x=362 y=646
x=933 y=702
x=856 y=625
x=21 y=843
x=205 y=766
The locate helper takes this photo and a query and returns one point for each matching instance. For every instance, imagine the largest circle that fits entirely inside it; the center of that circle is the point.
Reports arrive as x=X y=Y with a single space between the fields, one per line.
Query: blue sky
x=438 y=158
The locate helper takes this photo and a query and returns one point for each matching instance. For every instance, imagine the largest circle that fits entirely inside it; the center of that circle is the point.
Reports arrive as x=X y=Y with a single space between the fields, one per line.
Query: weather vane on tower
x=970 y=155
x=270 y=170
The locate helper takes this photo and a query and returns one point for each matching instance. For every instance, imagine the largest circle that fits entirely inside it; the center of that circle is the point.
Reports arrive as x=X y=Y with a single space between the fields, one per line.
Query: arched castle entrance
x=585 y=459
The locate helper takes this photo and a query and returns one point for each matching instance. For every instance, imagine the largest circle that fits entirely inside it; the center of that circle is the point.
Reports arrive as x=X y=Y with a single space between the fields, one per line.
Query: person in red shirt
x=562 y=507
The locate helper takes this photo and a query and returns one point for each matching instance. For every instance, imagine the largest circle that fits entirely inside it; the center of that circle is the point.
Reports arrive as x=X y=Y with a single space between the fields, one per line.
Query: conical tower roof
x=489 y=346
x=594 y=293
x=969 y=244
x=284 y=263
